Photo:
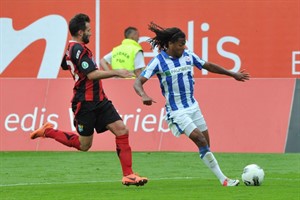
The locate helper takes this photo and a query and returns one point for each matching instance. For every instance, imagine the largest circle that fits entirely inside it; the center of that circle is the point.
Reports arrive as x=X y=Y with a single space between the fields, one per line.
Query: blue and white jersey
x=176 y=77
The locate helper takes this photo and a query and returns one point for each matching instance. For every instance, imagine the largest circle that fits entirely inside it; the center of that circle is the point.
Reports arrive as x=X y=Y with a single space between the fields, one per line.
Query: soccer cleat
x=134 y=179
x=40 y=132
x=230 y=182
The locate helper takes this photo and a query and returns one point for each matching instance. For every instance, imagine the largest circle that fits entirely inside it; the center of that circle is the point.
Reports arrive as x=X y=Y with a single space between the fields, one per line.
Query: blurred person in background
x=128 y=55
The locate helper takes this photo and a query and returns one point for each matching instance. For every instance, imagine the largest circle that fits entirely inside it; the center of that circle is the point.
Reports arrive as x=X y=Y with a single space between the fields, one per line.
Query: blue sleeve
x=151 y=69
x=197 y=61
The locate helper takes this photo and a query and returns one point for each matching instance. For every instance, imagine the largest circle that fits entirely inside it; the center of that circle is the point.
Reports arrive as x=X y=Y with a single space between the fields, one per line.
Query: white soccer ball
x=253 y=175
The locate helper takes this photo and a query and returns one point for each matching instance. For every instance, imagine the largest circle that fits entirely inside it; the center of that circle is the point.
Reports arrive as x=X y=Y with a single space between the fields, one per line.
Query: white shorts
x=186 y=120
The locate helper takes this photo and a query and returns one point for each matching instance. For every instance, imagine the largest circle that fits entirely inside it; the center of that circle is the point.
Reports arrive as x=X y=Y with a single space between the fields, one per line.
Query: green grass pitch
x=172 y=175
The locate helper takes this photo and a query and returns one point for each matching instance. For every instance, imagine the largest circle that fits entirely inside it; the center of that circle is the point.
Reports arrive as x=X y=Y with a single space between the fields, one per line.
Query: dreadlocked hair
x=164 y=36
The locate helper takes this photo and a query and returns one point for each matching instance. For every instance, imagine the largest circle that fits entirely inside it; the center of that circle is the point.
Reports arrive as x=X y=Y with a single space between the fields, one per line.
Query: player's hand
x=123 y=73
x=241 y=76
x=147 y=100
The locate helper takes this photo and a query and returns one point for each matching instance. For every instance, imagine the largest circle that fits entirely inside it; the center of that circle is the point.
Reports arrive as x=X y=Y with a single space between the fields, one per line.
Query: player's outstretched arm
x=241 y=76
x=99 y=74
x=138 y=87
x=214 y=68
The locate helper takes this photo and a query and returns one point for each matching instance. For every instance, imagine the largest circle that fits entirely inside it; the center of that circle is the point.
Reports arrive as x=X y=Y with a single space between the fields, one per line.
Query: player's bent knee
x=85 y=147
x=125 y=131
x=199 y=139
x=118 y=128
x=202 y=142
x=122 y=130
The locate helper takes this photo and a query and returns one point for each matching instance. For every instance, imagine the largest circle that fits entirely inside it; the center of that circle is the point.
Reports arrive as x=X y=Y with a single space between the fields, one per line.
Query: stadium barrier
x=248 y=116
x=261 y=115
x=268 y=46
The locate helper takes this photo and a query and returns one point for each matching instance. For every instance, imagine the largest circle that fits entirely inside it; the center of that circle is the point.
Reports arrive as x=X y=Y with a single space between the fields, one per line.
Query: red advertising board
x=242 y=117
x=260 y=36
x=34 y=35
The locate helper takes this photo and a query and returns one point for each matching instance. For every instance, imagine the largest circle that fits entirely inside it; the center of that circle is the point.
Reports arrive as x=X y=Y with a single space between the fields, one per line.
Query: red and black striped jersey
x=79 y=61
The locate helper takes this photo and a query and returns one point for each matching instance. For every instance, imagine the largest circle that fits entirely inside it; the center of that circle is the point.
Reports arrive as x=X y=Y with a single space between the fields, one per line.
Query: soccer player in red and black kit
x=90 y=105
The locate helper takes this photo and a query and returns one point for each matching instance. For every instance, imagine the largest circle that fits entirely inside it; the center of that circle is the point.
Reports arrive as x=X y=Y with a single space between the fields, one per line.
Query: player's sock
x=203 y=151
x=124 y=153
x=211 y=162
x=68 y=139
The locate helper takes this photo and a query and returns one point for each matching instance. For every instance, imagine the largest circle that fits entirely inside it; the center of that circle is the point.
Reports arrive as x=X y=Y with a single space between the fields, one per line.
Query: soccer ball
x=253 y=175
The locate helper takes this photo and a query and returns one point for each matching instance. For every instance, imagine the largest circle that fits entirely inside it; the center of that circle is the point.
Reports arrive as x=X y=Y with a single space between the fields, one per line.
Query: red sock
x=68 y=139
x=124 y=153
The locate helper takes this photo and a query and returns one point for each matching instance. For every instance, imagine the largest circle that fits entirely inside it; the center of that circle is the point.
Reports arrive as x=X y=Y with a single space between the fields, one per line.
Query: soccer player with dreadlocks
x=174 y=67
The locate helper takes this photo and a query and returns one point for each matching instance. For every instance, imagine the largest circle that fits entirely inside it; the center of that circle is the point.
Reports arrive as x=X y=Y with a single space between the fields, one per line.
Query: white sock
x=211 y=162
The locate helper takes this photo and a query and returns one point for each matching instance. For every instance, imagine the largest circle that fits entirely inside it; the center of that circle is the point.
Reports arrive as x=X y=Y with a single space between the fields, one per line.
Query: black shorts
x=90 y=116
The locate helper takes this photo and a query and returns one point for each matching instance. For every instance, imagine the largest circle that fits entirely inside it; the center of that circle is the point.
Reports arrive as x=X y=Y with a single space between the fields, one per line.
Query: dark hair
x=129 y=30
x=78 y=22
x=164 y=36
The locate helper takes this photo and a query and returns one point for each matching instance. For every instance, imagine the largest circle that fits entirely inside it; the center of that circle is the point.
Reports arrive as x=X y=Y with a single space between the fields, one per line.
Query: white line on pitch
x=112 y=181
